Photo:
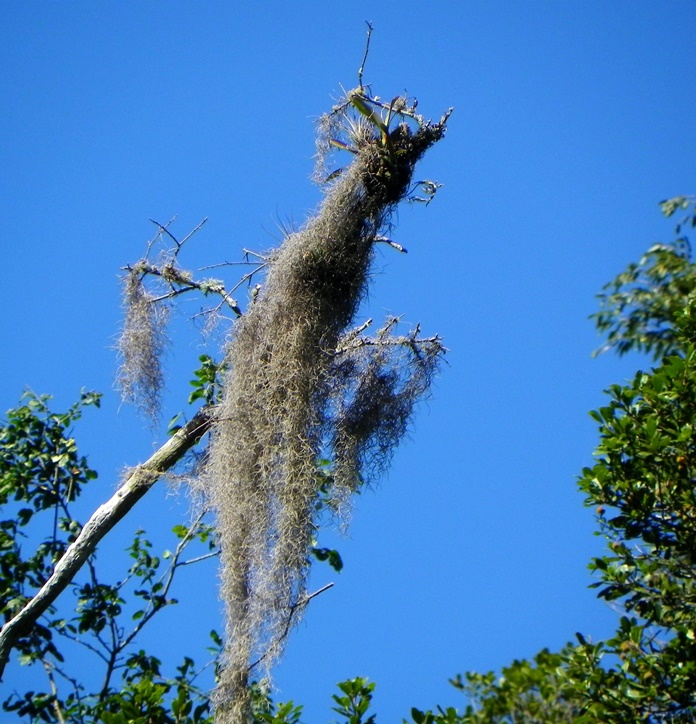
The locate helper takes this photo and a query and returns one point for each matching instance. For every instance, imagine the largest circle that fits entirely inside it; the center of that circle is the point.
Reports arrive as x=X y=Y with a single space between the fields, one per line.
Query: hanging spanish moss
x=140 y=346
x=301 y=387
x=374 y=386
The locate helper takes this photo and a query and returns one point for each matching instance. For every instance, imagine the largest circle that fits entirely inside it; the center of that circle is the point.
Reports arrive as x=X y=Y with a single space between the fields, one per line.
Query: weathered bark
x=140 y=480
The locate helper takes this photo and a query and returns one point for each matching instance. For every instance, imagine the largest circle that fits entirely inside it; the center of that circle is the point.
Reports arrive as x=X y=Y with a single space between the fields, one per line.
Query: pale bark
x=138 y=482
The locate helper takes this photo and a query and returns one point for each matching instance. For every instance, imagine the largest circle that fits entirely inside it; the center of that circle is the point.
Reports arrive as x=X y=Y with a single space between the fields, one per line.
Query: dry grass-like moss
x=141 y=345
x=375 y=385
x=289 y=395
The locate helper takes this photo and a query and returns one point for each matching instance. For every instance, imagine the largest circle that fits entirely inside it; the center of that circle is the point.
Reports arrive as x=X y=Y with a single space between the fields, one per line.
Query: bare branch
x=179 y=244
x=154 y=239
x=392 y=243
x=299 y=606
x=198 y=559
x=361 y=69
x=54 y=691
x=181 y=281
x=231 y=263
x=164 y=229
x=253 y=253
x=141 y=479
x=192 y=232
x=354 y=340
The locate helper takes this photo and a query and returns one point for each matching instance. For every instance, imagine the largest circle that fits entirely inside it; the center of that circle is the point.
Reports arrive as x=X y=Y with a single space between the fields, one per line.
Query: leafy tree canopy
x=642 y=487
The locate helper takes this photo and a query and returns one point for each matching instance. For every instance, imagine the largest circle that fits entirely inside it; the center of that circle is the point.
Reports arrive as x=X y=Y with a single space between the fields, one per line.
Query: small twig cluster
x=150 y=286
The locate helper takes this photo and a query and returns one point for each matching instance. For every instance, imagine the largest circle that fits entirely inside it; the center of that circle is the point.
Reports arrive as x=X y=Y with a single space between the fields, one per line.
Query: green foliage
x=442 y=716
x=642 y=487
x=41 y=477
x=354 y=700
x=264 y=711
x=640 y=308
x=330 y=555
x=206 y=387
x=526 y=691
x=206 y=382
x=41 y=474
x=534 y=692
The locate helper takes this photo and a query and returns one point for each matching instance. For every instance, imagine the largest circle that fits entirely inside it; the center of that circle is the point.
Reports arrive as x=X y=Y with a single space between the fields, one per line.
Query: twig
x=77 y=688
x=158 y=234
x=54 y=691
x=393 y=244
x=348 y=337
x=185 y=283
x=179 y=244
x=198 y=559
x=361 y=69
x=403 y=341
x=210 y=312
x=191 y=233
x=230 y=263
x=293 y=609
x=165 y=580
x=310 y=596
x=86 y=644
x=247 y=277
x=168 y=233
x=254 y=253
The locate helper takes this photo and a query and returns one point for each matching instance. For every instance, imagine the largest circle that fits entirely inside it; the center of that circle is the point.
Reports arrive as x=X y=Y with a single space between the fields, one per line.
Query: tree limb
x=140 y=480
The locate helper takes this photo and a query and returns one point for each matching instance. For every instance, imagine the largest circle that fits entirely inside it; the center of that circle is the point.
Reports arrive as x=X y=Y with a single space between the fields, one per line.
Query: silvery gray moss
x=140 y=379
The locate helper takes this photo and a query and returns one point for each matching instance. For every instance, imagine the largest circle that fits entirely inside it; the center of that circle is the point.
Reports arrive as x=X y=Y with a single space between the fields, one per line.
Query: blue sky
x=572 y=121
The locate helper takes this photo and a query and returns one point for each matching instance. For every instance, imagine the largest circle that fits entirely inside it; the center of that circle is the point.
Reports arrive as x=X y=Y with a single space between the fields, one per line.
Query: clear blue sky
x=572 y=121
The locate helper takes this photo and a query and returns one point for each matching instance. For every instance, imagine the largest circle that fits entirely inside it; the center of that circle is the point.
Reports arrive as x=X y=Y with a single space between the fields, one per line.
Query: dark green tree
x=643 y=488
x=42 y=476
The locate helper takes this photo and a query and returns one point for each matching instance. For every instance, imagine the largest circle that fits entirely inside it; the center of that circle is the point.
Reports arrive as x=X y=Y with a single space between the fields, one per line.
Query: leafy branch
x=136 y=485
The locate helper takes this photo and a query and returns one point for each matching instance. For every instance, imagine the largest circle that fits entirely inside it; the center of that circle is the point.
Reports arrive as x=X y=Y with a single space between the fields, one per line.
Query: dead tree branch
x=140 y=480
